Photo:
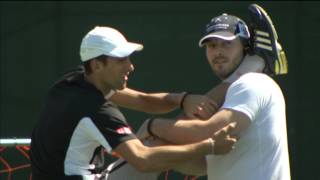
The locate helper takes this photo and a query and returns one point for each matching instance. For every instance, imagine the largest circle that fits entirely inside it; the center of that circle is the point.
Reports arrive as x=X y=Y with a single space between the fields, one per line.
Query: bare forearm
x=221 y=141
x=181 y=131
x=187 y=131
x=166 y=157
x=162 y=102
x=161 y=158
x=195 y=167
x=147 y=102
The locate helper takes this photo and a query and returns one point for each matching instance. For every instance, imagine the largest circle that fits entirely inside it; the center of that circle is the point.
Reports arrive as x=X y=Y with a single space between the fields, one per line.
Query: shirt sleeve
x=113 y=126
x=244 y=95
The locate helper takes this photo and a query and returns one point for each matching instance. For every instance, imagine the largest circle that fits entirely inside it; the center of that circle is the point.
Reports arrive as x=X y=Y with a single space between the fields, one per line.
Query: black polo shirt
x=76 y=122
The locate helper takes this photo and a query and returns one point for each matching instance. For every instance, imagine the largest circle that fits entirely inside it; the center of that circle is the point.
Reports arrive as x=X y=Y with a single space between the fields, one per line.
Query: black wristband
x=150 y=121
x=183 y=98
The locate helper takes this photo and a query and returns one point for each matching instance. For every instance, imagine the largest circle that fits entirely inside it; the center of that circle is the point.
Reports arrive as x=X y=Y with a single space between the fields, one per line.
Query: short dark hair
x=86 y=64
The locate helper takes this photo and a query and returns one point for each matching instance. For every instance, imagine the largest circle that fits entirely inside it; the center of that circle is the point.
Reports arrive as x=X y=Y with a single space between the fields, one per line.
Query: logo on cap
x=225 y=27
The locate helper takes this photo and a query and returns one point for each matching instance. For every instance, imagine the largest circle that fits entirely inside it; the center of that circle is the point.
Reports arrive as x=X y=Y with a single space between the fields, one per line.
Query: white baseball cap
x=106 y=41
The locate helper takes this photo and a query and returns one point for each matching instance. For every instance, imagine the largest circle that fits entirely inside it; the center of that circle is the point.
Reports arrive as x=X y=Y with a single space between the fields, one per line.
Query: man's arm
x=166 y=157
x=205 y=108
x=147 y=102
x=162 y=102
x=188 y=131
x=160 y=158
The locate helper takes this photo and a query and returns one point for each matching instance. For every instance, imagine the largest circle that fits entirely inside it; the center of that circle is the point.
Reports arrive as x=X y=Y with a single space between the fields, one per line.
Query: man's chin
x=221 y=76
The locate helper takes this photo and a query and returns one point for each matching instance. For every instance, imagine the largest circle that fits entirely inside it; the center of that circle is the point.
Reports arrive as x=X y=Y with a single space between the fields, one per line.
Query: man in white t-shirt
x=254 y=101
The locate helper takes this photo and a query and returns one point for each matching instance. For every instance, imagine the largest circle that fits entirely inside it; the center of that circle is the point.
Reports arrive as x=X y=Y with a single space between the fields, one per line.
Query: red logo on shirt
x=124 y=130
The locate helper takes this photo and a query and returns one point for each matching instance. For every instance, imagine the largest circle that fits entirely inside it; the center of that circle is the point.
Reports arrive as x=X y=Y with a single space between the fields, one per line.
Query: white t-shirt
x=262 y=150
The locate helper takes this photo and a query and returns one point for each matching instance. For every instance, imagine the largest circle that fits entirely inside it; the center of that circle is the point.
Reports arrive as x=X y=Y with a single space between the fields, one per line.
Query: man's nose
x=219 y=51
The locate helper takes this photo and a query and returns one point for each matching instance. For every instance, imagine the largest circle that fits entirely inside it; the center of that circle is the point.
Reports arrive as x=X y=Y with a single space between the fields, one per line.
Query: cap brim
x=125 y=50
x=221 y=35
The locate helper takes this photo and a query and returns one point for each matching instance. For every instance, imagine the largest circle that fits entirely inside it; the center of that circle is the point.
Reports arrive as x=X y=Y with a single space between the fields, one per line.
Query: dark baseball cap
x=225 y=27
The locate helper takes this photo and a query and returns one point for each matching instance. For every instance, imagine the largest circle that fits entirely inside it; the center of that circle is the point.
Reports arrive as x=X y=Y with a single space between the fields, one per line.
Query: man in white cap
x=79 y=122
x=254 y=101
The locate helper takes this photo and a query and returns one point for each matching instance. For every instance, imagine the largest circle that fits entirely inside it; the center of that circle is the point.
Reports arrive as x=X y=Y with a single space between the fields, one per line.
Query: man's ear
x=95 y=65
